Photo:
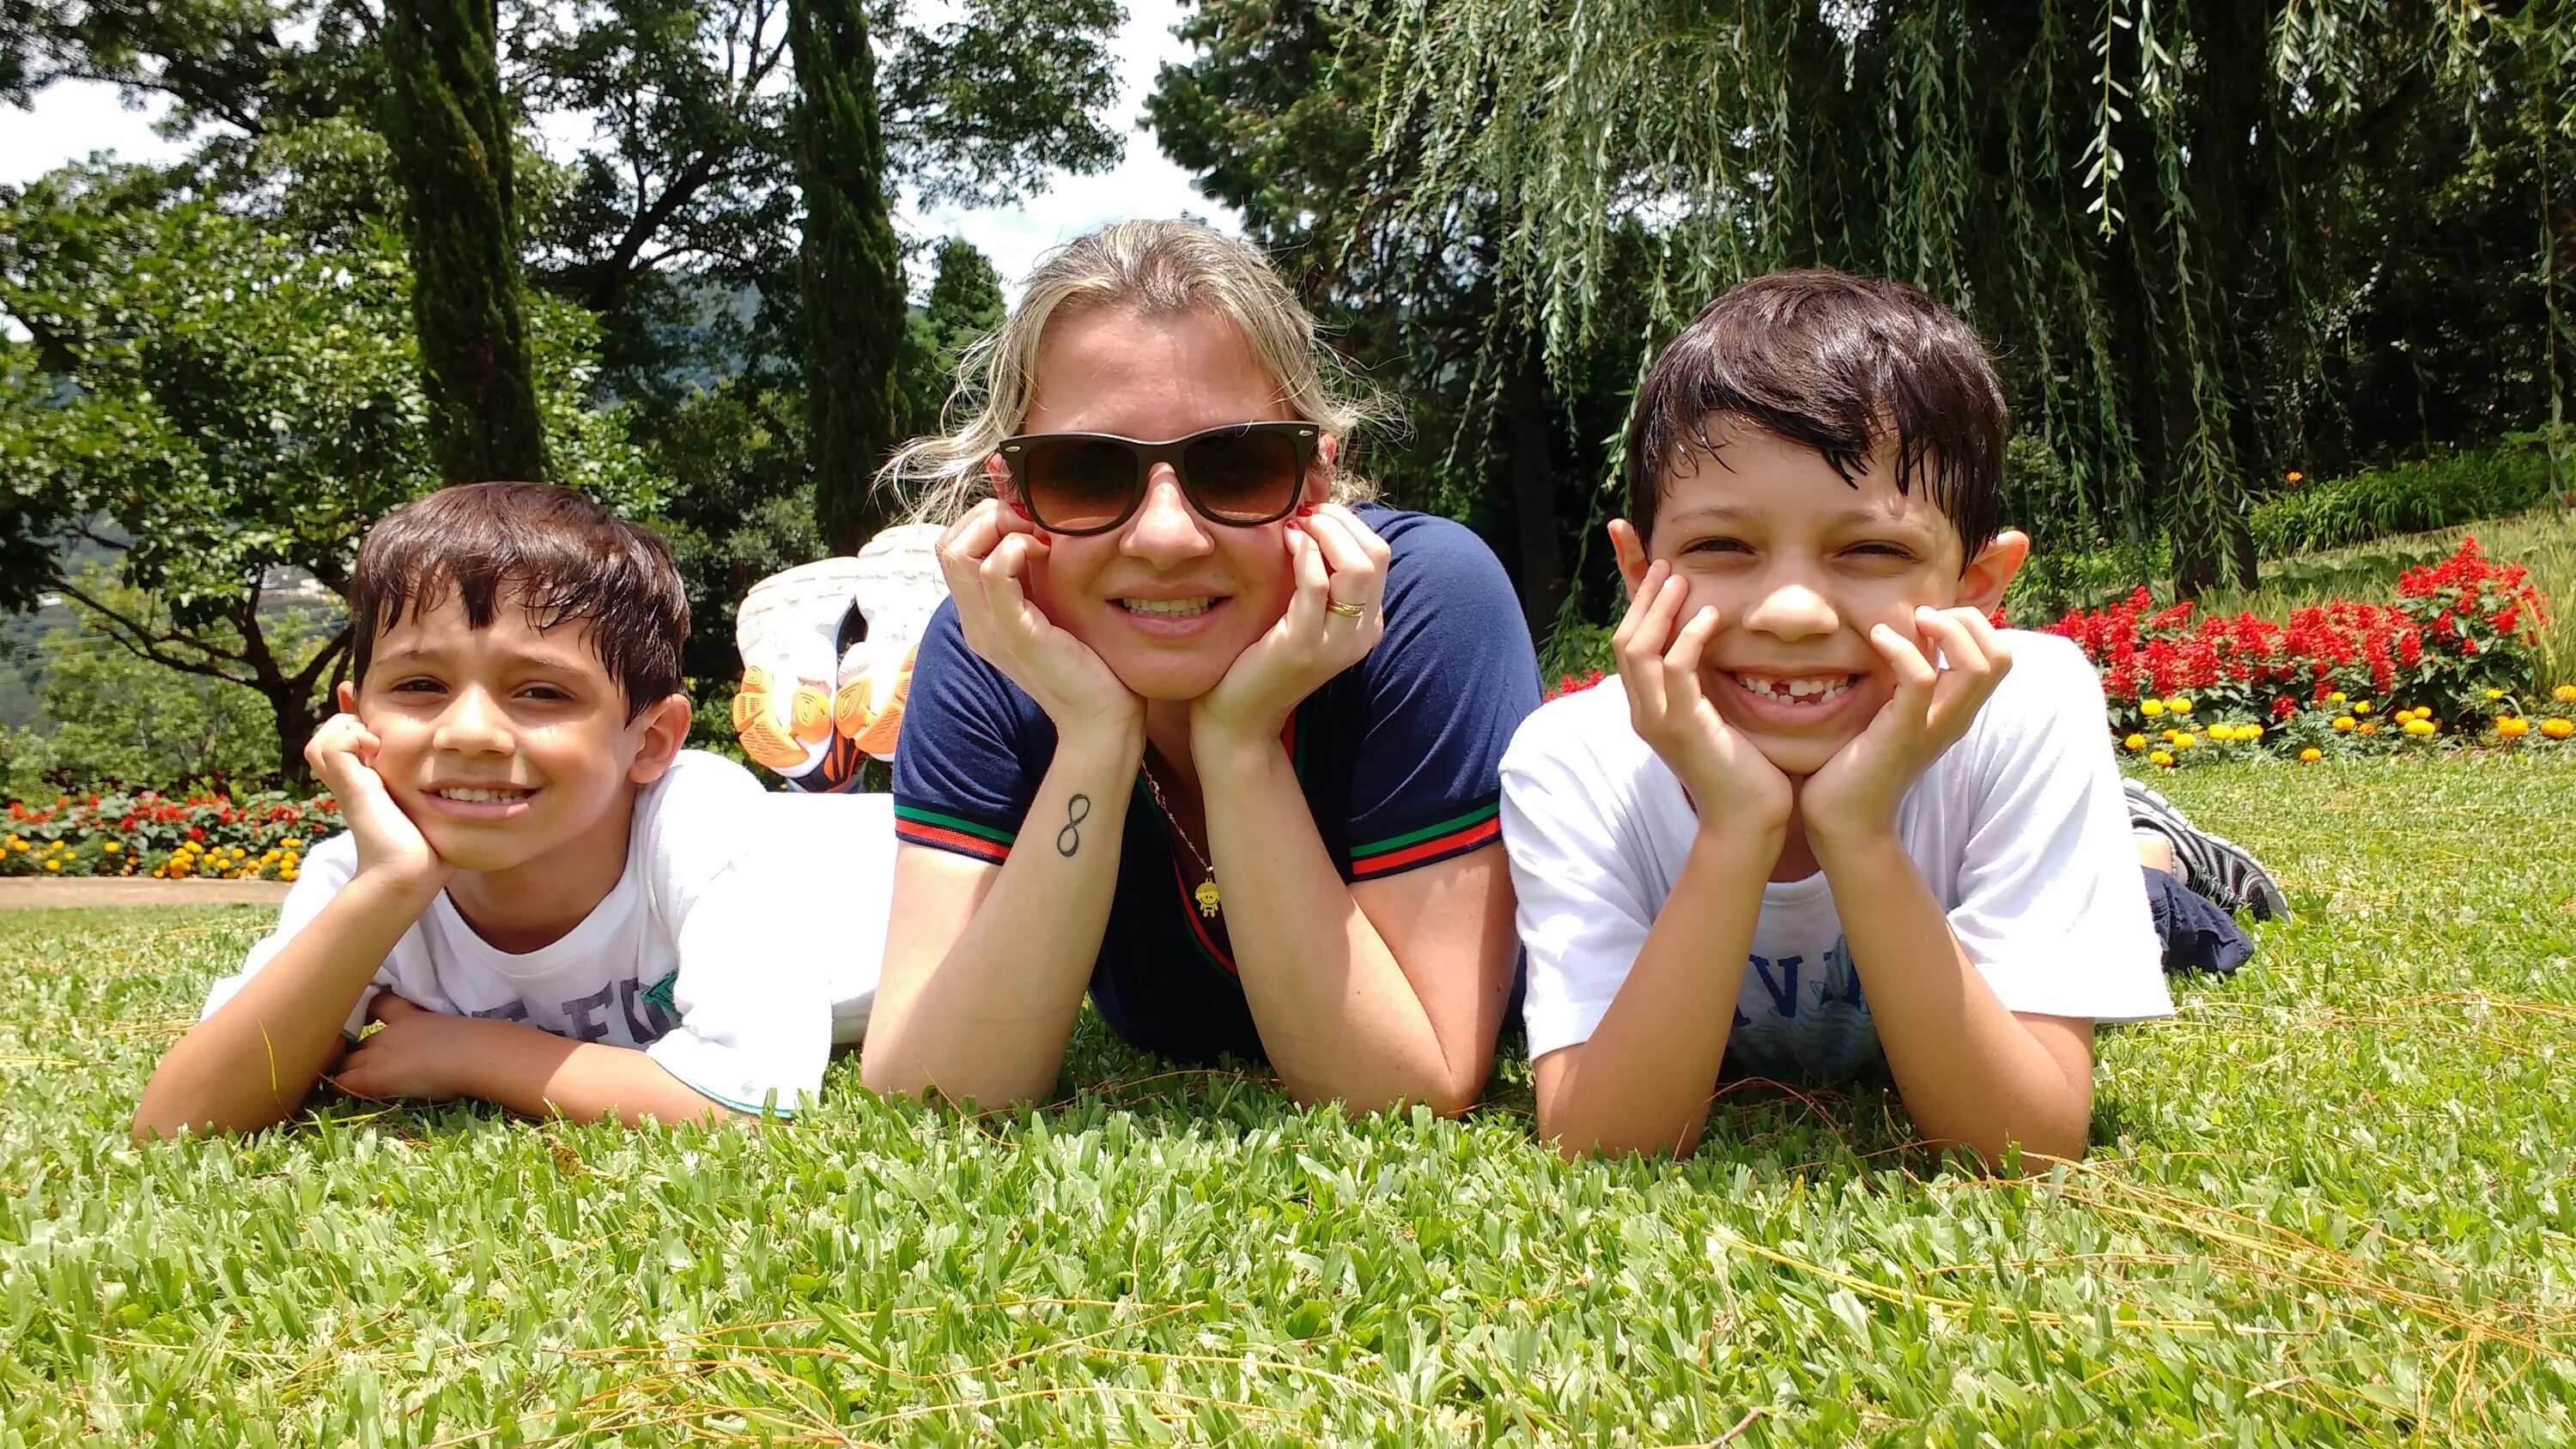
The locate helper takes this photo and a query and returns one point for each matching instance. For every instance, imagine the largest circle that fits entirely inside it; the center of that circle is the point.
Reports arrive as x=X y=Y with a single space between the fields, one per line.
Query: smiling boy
x=537 y=896
x=1831 y=816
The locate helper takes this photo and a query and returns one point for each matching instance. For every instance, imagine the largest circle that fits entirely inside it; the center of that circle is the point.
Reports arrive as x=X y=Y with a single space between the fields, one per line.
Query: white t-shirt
x=715 y=968
x=2018 y=829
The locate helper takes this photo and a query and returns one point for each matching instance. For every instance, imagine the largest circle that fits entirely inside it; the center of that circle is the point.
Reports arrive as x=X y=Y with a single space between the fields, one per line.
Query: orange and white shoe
x=805 y=714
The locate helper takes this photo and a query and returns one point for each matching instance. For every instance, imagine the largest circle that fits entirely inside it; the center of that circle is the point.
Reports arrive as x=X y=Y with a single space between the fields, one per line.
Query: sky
x=70 y=120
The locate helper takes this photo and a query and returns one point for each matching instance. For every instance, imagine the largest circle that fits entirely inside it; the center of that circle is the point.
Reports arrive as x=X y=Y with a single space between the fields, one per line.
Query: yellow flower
x=2160 y=758
x=2172 y=735
x=2134 y=742
x=2250 y=732
x=2186 y=741
x=2512 y=727
x=2558 y=729
x=112 y=848
x=2495 y=694
x=2151 y=707
x=2420 y=727
x=2362 y=708
x=2335 y=698
x=53 y=865
x=2311 y=755
x=2564 y=694
x=2343 y=722
x=2178 y=705
x=2369 y=728
x=291 y=843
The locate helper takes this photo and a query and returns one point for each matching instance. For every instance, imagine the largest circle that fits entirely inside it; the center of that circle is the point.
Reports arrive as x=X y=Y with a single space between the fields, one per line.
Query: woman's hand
x=1730 y=782
x=1334 y=618
x=1858 y=790
x=343 y=753
x=986 y=557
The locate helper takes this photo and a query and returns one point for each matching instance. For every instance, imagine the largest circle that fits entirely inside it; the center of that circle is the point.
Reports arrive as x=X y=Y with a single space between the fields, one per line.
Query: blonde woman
x=1200 y=732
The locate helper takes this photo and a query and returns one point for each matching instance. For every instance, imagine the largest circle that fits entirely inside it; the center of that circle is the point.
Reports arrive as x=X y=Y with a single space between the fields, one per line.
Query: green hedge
x=2413 y=498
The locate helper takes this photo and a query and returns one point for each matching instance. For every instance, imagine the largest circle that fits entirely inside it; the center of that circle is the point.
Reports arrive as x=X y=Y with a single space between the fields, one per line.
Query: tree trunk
x=449 y=131
x=1526 y=437
x=852 y=266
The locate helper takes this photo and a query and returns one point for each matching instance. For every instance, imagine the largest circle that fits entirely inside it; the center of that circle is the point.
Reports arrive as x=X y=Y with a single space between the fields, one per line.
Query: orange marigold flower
x=2558 y=729
x=2512 y=727
x=2311 y=755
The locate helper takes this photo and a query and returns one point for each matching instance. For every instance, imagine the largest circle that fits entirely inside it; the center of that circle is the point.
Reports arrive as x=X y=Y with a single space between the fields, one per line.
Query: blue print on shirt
x=1794 y=1018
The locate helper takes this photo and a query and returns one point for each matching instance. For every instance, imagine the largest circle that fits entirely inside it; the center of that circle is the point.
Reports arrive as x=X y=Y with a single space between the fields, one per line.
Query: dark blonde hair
x=1149 y=267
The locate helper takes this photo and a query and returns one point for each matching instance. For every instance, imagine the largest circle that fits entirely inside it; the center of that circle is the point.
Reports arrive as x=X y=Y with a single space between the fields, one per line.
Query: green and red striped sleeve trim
x=947 y=832
x=1474 y=830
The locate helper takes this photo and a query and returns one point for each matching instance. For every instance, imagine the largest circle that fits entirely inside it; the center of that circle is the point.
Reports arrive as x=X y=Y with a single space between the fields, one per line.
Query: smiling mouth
x=1806 y=690
x=500 y=795
x=1170 y=608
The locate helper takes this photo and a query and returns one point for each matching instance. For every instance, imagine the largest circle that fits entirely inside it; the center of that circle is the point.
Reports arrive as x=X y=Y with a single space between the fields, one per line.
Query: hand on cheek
x=1857 y=791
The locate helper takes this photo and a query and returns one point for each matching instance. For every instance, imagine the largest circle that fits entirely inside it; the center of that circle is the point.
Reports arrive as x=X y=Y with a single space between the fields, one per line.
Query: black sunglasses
x=1241 y=474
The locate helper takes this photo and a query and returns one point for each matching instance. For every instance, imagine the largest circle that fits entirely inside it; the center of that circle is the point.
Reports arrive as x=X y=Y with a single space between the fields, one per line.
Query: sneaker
x=811 y=708
x=2210 y=866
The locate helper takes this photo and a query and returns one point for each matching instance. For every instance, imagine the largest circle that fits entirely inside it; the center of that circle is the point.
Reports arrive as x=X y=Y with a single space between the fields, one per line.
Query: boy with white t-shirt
x=1821 y=760
x=540 y=896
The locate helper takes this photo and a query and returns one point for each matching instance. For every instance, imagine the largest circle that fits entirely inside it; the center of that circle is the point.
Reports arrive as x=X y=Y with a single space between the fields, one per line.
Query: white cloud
x=70 y=120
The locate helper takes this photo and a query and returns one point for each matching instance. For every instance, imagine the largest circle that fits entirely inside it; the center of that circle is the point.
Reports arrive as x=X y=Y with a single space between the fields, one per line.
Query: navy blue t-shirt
x=1400 y=757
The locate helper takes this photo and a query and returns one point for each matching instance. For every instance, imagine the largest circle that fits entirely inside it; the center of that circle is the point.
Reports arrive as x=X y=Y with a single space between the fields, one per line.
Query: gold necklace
x=1206 y=895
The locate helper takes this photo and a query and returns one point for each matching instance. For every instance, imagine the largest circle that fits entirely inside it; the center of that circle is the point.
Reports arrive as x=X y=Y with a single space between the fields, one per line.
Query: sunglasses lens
x=1249 y=477
x=1074 y=484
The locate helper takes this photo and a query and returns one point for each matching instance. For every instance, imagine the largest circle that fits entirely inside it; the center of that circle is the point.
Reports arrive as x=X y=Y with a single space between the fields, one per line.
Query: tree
x=451 y=138
x=853 y=266
x=965 y=303
x=2167 y=222
x=226 y=407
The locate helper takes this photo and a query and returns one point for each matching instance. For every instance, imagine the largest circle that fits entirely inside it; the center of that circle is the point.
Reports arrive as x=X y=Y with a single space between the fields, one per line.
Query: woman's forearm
x=1970 y=1073
x=982 y=1008
x=1338 y=1018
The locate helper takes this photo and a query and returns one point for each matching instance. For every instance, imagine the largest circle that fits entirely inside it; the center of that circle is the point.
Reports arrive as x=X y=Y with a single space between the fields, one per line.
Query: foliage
x=224 y=396
x=260 y=836
x=852 y=266
x=965 y=303
x=2271 y=1241
x=2175 y=222
x=2413 y=498
x=118 y=718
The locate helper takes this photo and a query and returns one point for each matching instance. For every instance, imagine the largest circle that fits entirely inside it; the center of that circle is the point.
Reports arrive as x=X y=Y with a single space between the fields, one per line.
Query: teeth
x=483 y=797
x=1169 y=608
x=1805 y=691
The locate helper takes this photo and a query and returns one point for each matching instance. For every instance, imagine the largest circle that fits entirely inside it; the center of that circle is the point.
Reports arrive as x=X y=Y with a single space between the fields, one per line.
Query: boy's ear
x=1982 y=584
x=661 y=729
x=345 y=698
x=1631 y=551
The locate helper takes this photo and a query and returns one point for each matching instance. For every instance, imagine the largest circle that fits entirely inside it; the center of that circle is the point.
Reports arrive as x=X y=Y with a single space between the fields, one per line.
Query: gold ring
x=1347 y=611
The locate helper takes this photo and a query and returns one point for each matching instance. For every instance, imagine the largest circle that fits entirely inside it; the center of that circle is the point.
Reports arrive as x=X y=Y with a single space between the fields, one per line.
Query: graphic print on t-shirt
x=1801 y=1016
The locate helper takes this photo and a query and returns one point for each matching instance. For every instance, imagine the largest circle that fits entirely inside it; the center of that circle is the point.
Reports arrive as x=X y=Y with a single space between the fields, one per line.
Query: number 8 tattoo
x=1069 y=839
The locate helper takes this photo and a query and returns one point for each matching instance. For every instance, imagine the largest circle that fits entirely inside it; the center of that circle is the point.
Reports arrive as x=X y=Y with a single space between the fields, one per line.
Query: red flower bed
x=261 y=836
x=2452 y=649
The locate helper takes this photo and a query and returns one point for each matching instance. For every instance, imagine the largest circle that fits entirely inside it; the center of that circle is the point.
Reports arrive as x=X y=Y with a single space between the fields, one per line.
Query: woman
x=1198 y=731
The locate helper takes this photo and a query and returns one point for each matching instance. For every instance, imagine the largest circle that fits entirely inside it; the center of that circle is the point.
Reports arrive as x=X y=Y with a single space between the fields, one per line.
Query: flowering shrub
x=2451 y=655
x=255 y=837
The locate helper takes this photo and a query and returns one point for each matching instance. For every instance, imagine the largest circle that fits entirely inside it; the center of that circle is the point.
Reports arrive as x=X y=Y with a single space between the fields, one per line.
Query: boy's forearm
x=539 y=1074
x=253 y=1062
x=1970 y=1073
x=1643 y=1080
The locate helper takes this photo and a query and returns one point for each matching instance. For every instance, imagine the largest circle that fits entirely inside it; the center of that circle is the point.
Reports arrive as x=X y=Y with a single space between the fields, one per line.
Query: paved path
x=26 y=891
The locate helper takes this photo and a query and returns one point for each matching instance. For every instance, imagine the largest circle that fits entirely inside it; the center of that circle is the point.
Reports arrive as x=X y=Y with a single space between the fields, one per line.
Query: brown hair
x=565 y=557
x=1836 y=363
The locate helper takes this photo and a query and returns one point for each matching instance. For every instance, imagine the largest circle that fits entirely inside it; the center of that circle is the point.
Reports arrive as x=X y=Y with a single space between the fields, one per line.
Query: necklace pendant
x=1207 y=897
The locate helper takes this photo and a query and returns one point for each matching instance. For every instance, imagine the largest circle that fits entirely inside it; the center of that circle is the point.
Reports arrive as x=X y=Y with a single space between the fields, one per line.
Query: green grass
x=2328 y=1203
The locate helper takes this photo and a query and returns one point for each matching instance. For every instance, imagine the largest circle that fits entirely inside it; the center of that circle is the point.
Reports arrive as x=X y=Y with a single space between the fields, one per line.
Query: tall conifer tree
x=852 y=265
x=449 y=131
